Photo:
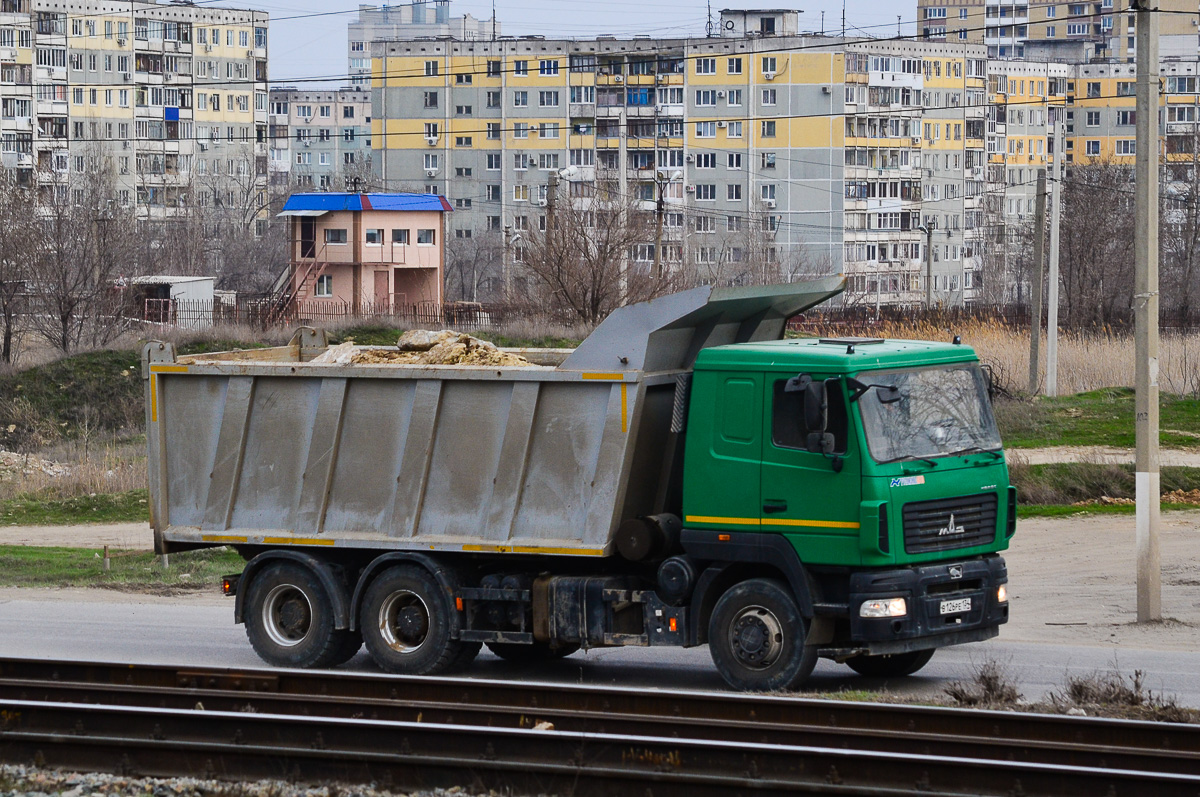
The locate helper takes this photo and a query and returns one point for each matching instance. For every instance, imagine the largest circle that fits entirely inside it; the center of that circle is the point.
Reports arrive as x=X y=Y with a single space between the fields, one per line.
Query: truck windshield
x=940 y=412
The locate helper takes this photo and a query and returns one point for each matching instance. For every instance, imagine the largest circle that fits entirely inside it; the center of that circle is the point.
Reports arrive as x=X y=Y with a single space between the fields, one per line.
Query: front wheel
x=289 y=619
x=406 y=623
x=756 y=636
x=896 y=665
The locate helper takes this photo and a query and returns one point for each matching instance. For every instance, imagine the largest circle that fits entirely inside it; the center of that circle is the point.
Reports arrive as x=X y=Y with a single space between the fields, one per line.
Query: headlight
x=1002 y=594
x=887 y=607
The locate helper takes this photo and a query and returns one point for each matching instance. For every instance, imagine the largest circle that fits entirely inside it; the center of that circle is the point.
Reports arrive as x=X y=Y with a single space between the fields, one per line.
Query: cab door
x=802 y=495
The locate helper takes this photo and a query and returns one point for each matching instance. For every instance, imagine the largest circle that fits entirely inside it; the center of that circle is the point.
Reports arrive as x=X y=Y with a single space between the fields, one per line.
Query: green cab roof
x=833 y=355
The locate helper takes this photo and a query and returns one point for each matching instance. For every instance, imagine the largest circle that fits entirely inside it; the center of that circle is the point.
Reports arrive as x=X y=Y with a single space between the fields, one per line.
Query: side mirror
x=888 y=394
x=820 y=442
x=816 y=407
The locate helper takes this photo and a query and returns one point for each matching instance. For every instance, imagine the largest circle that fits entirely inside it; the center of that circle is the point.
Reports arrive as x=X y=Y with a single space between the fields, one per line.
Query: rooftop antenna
x=708 y=26
x=493 y=20
x=898 y=34
x=822 y=22
x=843 y=19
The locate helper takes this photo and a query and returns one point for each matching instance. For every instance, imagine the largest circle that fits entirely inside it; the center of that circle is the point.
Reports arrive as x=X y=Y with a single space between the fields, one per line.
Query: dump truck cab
x=873 y=471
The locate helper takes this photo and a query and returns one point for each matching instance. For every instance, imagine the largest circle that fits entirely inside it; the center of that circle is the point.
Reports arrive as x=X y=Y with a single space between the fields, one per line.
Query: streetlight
x=662 y=179
x=928 y=230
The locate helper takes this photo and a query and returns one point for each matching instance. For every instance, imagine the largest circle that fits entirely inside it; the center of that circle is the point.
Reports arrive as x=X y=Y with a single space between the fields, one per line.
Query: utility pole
x=928 y=229
x=659 y=208
x=506 y=263
x=1035 y=283
x=1052 y=297
x=551 y=196
x=1145 y=306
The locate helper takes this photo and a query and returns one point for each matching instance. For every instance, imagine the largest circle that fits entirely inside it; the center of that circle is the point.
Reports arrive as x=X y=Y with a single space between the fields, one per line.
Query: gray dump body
x=264 y=447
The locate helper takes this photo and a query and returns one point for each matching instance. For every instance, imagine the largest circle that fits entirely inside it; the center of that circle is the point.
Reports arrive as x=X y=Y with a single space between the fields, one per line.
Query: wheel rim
x=287 y=615
x=756 y=637
x=404 y=621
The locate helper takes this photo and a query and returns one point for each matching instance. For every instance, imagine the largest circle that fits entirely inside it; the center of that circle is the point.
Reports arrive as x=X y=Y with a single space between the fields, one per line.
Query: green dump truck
x=686 y=476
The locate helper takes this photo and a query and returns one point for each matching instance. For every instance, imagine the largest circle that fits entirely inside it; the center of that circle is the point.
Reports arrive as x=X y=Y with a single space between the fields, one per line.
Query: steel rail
x=585 y=720
x=165 y=742
x=761 y=718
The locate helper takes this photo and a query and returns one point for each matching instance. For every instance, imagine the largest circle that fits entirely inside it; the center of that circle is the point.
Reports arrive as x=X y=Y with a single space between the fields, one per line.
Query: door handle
x=771 y=507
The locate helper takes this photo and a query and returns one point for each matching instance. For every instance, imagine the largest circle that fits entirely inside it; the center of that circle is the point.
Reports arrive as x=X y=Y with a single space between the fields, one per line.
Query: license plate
x=954 y=607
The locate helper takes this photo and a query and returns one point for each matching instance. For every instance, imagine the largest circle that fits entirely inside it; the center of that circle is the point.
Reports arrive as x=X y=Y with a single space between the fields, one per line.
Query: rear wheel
x=756 y=636
x=893 y=666
x=406 y=623
x=289 y=619
x=538 y=651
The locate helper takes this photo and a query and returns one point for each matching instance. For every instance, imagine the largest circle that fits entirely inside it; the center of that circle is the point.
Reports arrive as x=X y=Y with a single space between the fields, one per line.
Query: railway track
x=425 y=732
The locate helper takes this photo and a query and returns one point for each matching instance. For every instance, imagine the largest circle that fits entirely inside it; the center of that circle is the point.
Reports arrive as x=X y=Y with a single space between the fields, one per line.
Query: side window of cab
x=788 y=428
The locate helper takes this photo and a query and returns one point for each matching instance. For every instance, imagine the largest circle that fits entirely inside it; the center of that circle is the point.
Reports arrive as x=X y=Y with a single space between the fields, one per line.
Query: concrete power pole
x=1052 y=297
x=1035 y=282
x=1145 y=305
x=928 y=229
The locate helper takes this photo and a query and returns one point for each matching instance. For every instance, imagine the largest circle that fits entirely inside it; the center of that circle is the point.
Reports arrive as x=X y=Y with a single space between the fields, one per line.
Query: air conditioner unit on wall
x=770 y=203
x=618 y=78
x=431 y=141
x=720 y=94
x=768 y=75
x=690 y=158
x=691 y=189
x=722 y=124
x=430 y=172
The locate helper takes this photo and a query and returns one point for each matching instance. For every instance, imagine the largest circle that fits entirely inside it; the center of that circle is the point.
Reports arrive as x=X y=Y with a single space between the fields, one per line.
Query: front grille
x=928 y=526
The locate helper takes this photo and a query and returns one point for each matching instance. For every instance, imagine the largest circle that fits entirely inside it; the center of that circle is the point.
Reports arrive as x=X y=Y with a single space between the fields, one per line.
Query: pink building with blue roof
x=370 y=253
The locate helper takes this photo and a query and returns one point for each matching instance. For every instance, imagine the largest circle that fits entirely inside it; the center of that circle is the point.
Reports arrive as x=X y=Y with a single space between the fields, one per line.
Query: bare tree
x=474 y=266
x=19 y=232
x=1096 y=243
x=86 y=242
x=582 y=260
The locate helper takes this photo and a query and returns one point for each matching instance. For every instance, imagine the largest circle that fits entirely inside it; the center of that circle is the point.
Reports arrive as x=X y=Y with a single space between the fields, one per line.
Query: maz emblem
x=955 y=571
x=950 y=528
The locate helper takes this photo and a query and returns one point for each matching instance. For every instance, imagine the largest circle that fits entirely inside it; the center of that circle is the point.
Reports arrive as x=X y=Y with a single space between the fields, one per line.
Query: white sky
x=315 y=46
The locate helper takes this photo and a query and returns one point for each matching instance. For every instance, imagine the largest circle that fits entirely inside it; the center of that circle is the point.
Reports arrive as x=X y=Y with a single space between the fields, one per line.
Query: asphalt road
x=200 y=631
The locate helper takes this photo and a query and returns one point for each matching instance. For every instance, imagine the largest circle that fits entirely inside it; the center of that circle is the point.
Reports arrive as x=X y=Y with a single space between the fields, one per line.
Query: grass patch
x=1095 y=418
x=1061 y=510
x=32 y=510
x=1070 y=482
x=26 y=566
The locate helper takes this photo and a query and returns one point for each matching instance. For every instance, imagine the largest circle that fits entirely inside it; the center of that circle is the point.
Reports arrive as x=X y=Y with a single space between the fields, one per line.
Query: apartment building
x=320 y=140
x=418 y=19
x=168 y=102
x=806 y=153
x=1006 y=27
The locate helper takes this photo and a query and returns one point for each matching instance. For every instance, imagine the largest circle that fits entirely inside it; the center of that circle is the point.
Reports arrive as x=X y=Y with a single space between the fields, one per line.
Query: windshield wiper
x=909 y=458
x=976 y=449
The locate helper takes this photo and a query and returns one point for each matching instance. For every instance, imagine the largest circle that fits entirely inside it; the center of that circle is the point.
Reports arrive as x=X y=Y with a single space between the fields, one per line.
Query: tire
x=289 y=619
x=756 y=637
x=528 y=654
x=406 y=623
x=896 y=665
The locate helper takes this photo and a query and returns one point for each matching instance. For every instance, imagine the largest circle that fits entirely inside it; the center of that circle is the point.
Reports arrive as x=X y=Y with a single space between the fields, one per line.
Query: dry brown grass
x=92 y=469
x=1086 y=360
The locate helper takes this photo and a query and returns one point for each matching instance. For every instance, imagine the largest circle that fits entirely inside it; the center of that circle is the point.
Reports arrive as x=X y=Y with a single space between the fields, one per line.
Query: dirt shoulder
x=1072 y=581
x=128 y=536
x=1100 y=455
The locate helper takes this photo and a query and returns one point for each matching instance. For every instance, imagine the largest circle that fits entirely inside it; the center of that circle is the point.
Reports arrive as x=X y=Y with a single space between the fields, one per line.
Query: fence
x=262 y=311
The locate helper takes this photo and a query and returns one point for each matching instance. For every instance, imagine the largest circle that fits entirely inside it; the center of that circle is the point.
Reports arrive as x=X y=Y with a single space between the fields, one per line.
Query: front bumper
x=926 y=588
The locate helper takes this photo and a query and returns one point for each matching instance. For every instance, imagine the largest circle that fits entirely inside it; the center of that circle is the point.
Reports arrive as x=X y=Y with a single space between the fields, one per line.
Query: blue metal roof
x=327 y=201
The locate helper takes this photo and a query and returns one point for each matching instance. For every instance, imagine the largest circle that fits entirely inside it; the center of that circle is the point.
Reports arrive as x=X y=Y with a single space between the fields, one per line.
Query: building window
x=769 y=96
x=520 y=68
x=520 y=99
x=734 y=160
x=768 y=65
x=462 y=78
x=431 y=99
x=425 y=237
x=493 y=69
x=706 y=66
x=548 y=99
x=734 y=66
x=706 y=129
x=400 y=237
x=1092 y=148
x=324 y=289
x=375 y=237
x=462 y=141
x=706 y=192
x=1093 y=118
x=733 y=192
x=335 y=236
x=431 y=68
x=548 y=68
x=768 y=128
